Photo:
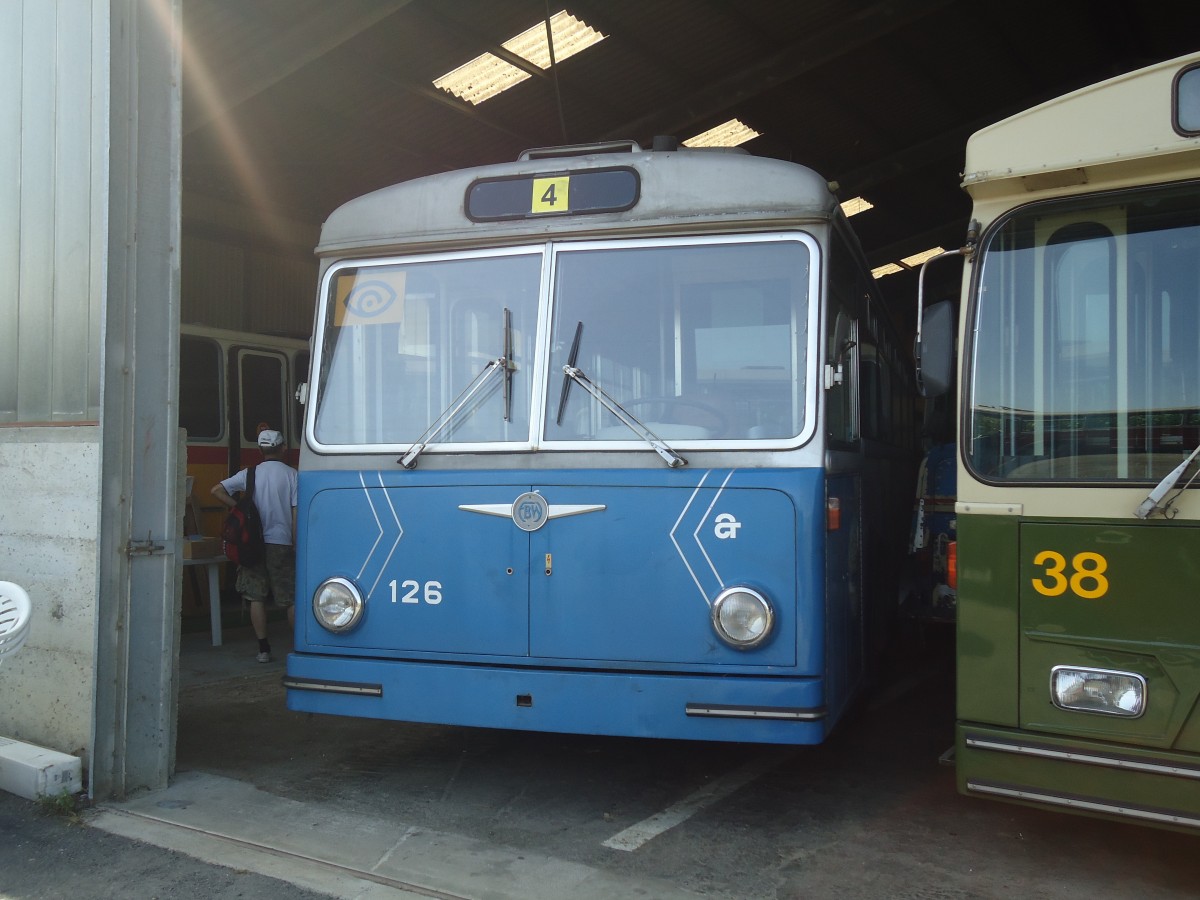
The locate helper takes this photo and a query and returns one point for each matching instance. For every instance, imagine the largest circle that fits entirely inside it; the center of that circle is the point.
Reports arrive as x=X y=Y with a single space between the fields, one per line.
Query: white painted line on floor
x=636 y=835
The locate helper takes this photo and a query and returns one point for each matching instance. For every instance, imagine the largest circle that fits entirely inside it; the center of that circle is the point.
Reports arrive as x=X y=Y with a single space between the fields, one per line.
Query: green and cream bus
x=1078 y=373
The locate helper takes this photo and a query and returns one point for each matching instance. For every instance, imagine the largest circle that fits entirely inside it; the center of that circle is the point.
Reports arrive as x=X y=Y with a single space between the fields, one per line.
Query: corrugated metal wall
x=282 y=291
x=246 y=285
x=53 y=192
x=213 y=282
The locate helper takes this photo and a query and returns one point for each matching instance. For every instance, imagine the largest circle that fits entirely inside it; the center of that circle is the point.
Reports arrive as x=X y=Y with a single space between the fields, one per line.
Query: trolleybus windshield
x=1090 y=369
x=699 y=340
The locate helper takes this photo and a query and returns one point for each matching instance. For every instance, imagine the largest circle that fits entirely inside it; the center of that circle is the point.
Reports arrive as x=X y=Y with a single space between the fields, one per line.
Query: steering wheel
x=717 y=424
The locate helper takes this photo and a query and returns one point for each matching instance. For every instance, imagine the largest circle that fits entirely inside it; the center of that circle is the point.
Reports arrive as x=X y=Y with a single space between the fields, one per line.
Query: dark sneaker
x=263 y=657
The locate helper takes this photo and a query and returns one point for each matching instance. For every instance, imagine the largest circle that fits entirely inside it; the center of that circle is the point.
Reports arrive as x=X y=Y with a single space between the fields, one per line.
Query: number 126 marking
x=414 y=592
x=1086 y=578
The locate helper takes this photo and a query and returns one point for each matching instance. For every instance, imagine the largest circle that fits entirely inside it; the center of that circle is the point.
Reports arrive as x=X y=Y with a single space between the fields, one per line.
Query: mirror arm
x=966 y=251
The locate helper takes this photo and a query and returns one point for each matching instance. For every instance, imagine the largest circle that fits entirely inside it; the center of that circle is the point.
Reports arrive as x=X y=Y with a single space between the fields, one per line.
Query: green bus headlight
x=337 y=604
x=742 y=617
x=1098 y=691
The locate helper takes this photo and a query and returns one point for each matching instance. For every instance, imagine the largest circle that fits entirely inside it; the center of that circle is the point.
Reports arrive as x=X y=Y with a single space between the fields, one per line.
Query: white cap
x=269 y=440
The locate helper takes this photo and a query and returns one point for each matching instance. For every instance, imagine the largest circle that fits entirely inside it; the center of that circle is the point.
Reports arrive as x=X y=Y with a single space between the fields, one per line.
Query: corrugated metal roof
x=302 y=104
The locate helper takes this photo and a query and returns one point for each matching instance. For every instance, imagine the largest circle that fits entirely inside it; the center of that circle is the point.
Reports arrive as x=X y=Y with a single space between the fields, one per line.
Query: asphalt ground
x=269 y=803
x=51 y=855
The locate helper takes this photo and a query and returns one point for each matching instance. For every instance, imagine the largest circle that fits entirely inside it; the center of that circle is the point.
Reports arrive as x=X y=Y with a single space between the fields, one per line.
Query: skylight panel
x=571 y=36
x=909 y=262
x=727 y=134
x=856 y=205
x=917 y=258
x=488 y=75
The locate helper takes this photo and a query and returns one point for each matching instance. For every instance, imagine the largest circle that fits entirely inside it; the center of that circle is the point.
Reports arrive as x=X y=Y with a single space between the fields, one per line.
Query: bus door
x=259 y=397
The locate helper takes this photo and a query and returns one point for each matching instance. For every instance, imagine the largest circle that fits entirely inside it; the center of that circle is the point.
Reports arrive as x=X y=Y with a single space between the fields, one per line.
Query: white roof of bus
x=678 y=189
x=1083 y=128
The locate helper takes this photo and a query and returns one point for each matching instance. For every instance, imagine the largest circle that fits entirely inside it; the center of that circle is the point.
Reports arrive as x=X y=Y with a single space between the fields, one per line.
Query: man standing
x=275 y=498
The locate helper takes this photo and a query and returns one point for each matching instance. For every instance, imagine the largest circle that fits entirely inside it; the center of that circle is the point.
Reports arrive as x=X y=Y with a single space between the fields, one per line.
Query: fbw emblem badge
x=530 y=511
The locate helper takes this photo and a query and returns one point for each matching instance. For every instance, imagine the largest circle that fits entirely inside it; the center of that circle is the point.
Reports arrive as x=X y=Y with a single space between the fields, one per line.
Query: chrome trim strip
x=719 y=711
x=1091 y=759
x=1083 y=803
x=504 y=510
x=333 y=687
x=559 y=510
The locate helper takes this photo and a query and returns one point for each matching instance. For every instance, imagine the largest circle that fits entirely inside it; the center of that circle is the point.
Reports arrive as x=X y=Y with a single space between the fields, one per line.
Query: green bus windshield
x=1085 y=360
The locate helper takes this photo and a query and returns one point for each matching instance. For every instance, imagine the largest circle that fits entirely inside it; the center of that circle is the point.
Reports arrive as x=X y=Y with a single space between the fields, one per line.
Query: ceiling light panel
x=571 y=35
x=886 y=269
x=856 y=205
x=487 y=75
x=727 y=134
x=917 y=258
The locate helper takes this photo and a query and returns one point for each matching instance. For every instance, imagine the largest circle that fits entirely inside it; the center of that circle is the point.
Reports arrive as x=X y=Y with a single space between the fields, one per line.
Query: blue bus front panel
x=434 y=578
x=633 y=583
x=618 y=576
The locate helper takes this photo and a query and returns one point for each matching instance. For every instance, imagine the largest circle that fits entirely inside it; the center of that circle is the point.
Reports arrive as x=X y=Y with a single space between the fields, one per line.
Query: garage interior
x=292 y=107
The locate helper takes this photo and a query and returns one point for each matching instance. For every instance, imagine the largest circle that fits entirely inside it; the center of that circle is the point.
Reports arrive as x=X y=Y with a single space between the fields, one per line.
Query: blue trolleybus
x=603 y=441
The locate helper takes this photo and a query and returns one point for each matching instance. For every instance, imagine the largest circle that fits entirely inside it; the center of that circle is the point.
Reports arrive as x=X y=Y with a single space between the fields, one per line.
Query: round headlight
x=337 y=604
x=742 y=617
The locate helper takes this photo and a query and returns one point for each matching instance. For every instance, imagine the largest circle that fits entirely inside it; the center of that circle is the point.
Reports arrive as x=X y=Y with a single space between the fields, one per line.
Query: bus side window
x=871 y=391
x=841 y=420
x=200 y=388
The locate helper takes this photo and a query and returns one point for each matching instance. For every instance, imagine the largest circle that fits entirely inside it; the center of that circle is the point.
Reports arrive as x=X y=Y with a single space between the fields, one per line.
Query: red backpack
x=242 y=533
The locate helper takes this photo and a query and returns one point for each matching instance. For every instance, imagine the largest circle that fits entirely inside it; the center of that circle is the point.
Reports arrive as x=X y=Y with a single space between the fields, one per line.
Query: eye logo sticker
x=374 y=300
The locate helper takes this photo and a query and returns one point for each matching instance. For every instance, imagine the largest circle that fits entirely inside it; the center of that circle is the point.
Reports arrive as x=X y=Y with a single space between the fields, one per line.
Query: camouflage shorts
x=276 y=574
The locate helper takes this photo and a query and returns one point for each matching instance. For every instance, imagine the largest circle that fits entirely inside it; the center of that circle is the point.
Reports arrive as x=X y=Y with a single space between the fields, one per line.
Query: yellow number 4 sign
x=551 y=194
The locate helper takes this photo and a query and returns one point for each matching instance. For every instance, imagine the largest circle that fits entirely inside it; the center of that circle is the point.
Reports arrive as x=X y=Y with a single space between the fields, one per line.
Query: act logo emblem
x=725 y=526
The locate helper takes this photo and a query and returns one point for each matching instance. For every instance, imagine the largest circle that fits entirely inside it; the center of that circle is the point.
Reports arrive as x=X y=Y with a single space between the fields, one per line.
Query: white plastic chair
x=15 y=613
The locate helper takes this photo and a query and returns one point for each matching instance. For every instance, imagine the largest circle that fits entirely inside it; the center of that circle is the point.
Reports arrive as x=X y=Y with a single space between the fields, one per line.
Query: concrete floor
x=358 y=808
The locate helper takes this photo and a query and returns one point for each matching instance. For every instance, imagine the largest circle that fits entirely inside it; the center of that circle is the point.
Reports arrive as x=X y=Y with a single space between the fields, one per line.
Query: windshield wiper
x=572 y=373
x=670 y=457
x=506 y=361
x=1151 y=504
x=566 y=382
x=502 y=364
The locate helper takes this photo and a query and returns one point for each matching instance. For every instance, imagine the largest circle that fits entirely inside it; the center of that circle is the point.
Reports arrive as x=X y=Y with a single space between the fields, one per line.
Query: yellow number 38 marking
x=1086 y=578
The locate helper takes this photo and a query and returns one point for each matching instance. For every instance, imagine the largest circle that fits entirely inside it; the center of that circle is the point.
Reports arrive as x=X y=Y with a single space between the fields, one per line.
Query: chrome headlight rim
x=729 y=639
x=1135 y=682
x=356 y=604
